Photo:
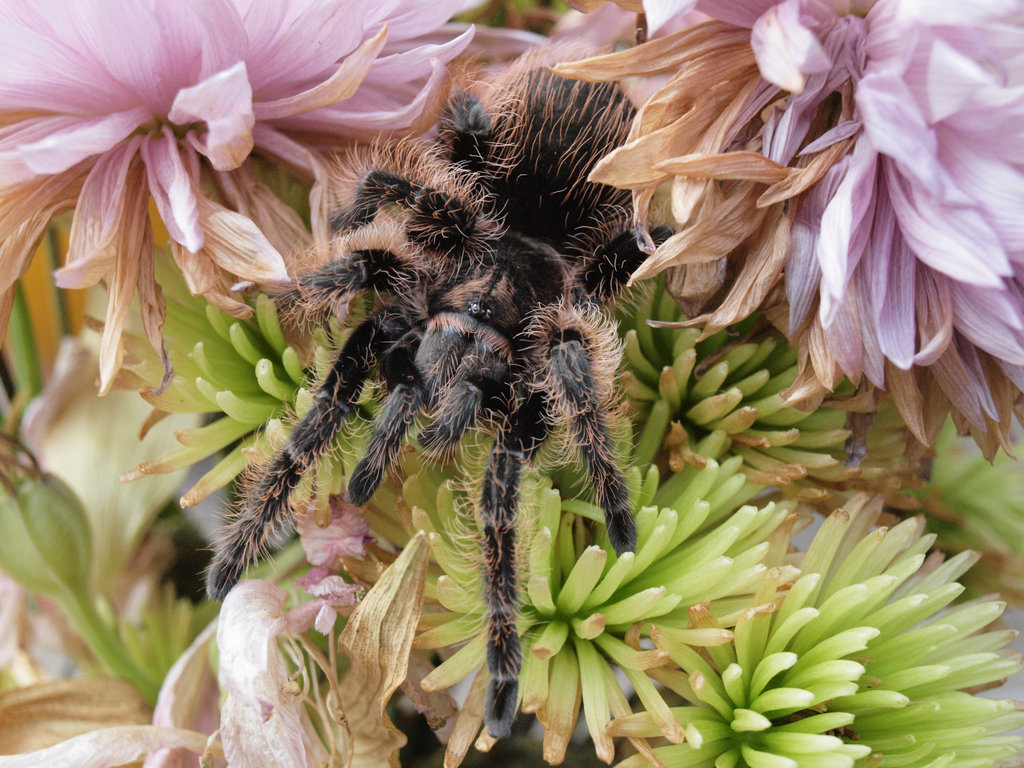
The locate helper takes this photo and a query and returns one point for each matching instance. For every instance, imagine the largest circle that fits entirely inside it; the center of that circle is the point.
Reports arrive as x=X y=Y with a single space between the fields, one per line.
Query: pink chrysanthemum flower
x=102 y=110
x=890 y=136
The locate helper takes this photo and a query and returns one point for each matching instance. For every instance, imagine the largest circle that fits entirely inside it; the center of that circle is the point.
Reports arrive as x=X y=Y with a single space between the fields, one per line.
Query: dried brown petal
x=378 y=638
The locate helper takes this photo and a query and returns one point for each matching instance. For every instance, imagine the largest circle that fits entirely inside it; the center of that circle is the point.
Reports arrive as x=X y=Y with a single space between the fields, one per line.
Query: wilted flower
x=100 y=111
x=897 y=149
x=859 y=656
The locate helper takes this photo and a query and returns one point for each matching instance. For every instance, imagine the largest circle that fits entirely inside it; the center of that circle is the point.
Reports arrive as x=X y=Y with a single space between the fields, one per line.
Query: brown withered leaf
x=378 y=638
x=39 y=716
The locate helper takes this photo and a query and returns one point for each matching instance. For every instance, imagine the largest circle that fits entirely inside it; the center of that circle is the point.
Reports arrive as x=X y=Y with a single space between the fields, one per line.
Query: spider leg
x=404 y=402
x=574 y=391
x=266 y=504
x=465 y=128
x=522 y=436
x=438 y=220
x=608 y=269
x=332 y=283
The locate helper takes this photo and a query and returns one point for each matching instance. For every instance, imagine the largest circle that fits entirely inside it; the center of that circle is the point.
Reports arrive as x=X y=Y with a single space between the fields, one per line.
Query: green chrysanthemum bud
x=583 y=611
x=729 y=388
x=971 y=503
x=858 y=657
x=241 y=368
x=46 y=539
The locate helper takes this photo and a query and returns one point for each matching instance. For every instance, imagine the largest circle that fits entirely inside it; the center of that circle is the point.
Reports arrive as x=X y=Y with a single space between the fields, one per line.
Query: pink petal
x=742 y=13
x=991 y=320
x=890 y=267
x=134 y=237
x=934 y=316
x=73 y=139
x=785 y=49
x=262 y=720
x=955 y=241
x=895 y=126
x=410 y=65
x=325 y=619
x=251 y=619
x=843 y=238
x=340 y=86
x=410 y=18
x=362 y=116
x=345 y=536
x=96 y=226
x=108 y=748
x=300 y=42
x=224 y=103
x=660 y=12
x=173 y=189
x=188 y=698
x=234 y=243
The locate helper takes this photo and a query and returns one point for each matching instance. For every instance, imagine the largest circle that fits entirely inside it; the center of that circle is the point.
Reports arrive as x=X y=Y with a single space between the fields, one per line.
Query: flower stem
x=23 y=347
x=108 y=648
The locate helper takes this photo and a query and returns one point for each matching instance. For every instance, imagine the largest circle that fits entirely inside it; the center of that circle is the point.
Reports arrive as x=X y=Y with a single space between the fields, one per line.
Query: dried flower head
x=102 y=111
x=871 y=151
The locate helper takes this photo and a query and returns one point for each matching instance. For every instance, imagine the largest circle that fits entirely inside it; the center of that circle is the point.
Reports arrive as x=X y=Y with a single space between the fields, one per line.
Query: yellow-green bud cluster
x=583 y=611
x=859 y=658
x=730 y=387
x=244 y=369
x=972 y=503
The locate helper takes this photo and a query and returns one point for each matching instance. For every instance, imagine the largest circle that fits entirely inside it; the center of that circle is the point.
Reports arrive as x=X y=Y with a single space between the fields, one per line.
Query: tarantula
x=489 y=252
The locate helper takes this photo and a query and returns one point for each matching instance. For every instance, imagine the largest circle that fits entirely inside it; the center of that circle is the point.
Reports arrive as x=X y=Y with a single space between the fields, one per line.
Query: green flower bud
x=46 y=537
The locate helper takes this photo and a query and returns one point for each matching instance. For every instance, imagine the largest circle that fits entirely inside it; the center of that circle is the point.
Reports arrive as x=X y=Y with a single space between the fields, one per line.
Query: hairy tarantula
x=489 y=252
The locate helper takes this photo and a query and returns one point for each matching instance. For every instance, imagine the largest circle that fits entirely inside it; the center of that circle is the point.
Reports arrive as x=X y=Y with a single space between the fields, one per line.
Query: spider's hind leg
x=266 y=504
x=516 y=444
x=575 y=391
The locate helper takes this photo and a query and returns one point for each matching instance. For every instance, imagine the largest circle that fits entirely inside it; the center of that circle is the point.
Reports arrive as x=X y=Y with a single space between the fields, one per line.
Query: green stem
x=23 y=347
x=106 y=645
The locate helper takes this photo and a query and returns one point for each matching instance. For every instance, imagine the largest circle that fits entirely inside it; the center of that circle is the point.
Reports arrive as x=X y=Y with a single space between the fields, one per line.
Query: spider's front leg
x=438 y=219
x=515 y=444
x=406 y=398
x=266 y=503
x=333 y=283
x=609 y=268
x=574 y=391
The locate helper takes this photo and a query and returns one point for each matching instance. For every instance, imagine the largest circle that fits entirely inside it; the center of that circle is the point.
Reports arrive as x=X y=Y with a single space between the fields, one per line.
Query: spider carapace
x=490 y=254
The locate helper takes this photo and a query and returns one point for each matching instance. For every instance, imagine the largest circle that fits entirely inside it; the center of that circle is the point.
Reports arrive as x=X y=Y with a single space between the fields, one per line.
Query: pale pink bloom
x=331 y=592
x=108 y=748
x=344 y=536
x=103 y=110
x=918 y=254
x=189 y=698
x=263 y=719
x=908 y=254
